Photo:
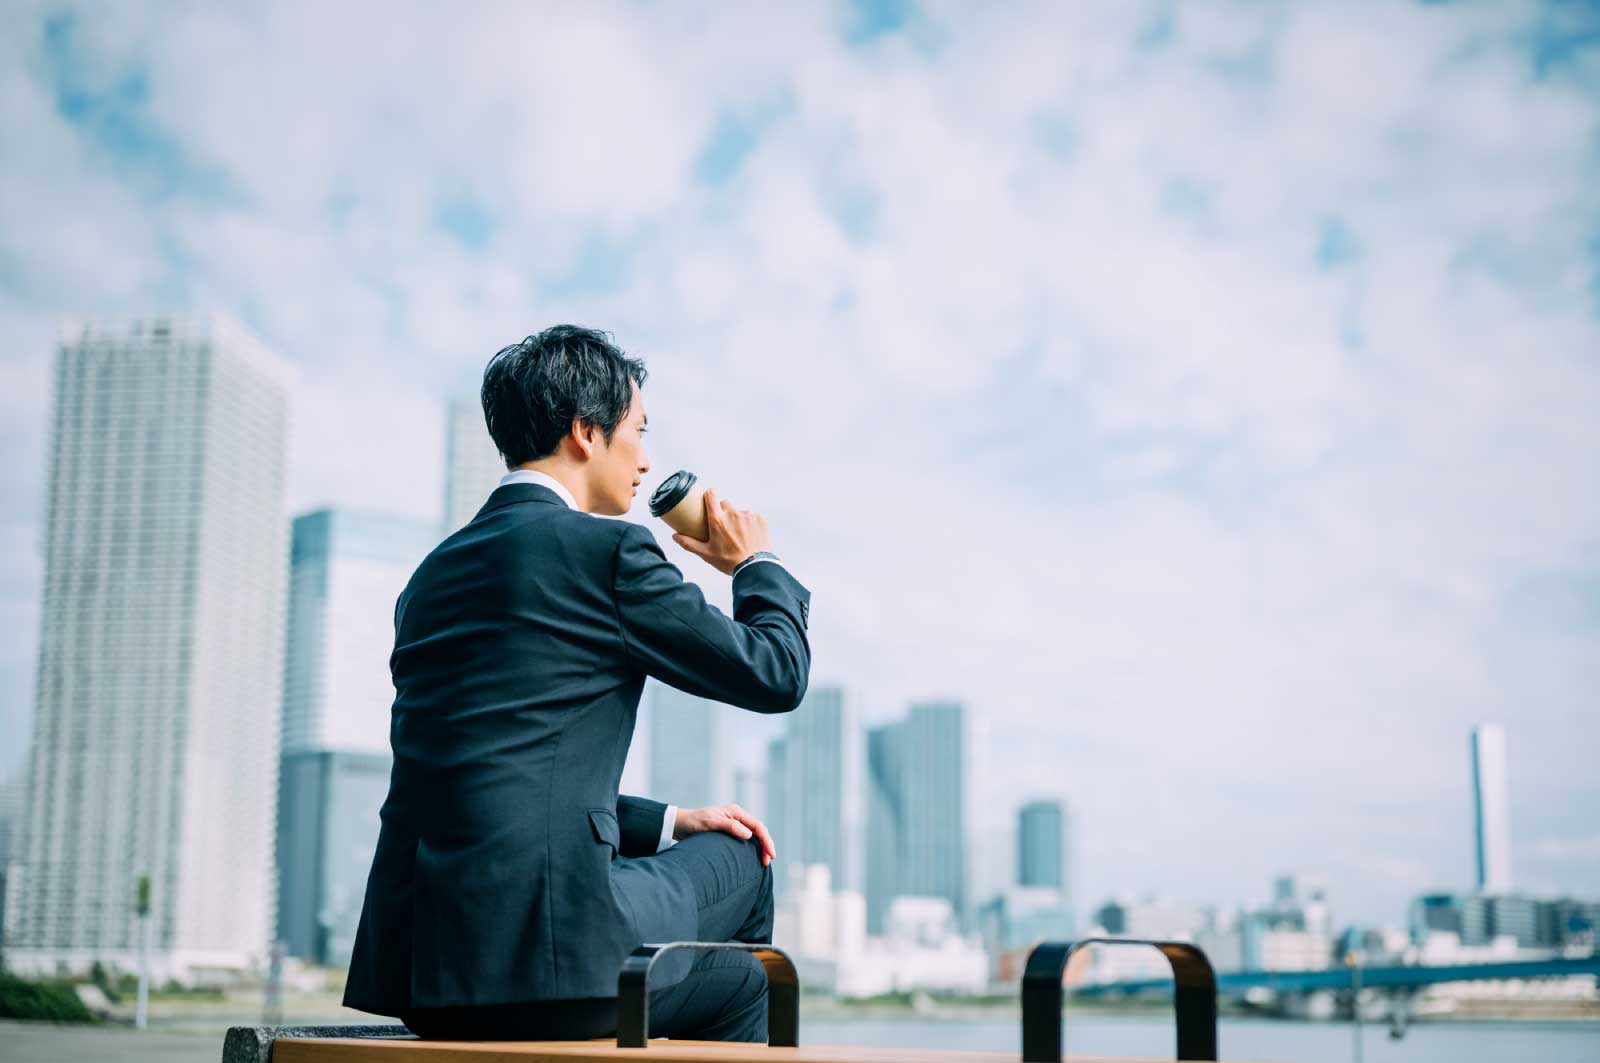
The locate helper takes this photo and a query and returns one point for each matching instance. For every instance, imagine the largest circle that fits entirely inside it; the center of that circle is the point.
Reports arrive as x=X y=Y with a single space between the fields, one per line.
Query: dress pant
x=722 y=998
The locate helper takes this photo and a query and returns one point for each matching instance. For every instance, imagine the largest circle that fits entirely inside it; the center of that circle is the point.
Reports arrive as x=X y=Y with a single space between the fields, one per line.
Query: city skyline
x=1219 y=433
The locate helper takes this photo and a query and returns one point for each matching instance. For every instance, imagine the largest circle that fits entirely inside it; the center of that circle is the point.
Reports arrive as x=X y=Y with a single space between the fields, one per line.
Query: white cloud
x=1045 y=433
x=1584 y=850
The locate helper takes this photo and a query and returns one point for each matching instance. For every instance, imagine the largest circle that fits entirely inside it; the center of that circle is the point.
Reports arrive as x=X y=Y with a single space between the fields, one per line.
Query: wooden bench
x=1194 y=1002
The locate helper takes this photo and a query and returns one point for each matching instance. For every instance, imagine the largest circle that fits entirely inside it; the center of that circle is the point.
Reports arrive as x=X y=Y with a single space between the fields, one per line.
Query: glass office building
x=806 y=786
x=688 y=755
x=1041 y=845
x=346 y=571
x=916 y=779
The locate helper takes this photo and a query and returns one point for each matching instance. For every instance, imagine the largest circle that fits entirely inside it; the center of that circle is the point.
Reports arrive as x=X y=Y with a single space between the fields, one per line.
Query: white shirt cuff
x=668 y=821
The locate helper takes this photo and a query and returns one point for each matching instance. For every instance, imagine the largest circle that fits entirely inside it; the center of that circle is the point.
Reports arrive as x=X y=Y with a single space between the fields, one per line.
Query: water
x=1238 y=1039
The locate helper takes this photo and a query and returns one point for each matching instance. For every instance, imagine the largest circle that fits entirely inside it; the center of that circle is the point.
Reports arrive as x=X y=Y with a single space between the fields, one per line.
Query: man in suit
x=510 y=879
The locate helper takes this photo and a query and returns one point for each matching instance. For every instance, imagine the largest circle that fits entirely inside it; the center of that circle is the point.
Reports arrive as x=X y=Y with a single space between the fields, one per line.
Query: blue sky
x=1204 y=393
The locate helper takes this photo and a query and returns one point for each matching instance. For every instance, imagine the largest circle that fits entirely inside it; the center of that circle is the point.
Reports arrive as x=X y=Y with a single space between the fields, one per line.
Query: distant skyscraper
x=916 y=843
x=1041 y=843
x=346 y=571
x=805 y=786
x=1492 y=825
x=688 y=763
x=472 y=465
x=155 y=739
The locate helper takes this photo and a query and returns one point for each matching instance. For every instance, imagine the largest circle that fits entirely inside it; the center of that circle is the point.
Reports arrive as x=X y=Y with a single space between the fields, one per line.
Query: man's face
x=616 y=469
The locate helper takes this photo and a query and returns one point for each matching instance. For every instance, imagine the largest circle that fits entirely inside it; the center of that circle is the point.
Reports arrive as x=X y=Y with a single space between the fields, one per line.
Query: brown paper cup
x=681 y=502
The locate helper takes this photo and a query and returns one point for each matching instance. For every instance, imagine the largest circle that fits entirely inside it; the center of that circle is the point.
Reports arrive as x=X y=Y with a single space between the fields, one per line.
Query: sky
x=1206 y=395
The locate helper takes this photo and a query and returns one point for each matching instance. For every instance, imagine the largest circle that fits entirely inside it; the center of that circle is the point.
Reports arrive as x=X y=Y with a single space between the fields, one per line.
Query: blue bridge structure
x=1238 y=983
x=1394 y=984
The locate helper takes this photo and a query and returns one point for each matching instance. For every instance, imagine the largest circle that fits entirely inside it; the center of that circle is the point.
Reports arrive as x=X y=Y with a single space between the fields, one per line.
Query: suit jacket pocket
x=604 y=822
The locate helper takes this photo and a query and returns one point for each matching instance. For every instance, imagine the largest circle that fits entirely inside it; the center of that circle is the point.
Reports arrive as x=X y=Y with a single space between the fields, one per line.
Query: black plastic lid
x=671 y=492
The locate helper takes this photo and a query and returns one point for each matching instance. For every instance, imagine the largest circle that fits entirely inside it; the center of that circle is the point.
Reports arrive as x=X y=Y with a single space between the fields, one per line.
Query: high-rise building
x=1041 y=845
x=688 y=762
x=472 y=465
x=328 y=805
x=155 y=735
x=915 y=826
x=346 y=570
x=805 y=786
x=1491 y=816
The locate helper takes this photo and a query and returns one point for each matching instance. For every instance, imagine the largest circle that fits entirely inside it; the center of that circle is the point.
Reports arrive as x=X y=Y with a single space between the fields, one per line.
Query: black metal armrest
x=1194 y=997
x=633 y=991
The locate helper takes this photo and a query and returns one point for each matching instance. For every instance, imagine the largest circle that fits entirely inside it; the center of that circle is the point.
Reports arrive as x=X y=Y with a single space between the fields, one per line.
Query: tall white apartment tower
x=155 y=735
x=472 y=464
x=1491 y=818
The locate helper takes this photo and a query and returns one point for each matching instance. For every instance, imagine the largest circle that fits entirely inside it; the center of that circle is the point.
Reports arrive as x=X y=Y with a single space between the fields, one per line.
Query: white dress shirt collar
x=543 y=479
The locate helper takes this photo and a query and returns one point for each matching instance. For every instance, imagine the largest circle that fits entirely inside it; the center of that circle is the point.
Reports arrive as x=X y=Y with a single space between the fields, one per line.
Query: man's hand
x=730 y=819
x=735 y=535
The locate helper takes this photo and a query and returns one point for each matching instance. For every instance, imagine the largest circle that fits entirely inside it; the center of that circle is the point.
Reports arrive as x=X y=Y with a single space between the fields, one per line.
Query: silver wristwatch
x=759 y=555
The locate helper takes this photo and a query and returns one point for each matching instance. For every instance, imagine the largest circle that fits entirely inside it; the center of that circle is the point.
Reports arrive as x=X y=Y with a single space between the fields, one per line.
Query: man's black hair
x=532 y=390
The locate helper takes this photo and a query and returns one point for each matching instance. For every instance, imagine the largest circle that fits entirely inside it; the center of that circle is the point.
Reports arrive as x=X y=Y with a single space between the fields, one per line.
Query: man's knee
x=740 y=856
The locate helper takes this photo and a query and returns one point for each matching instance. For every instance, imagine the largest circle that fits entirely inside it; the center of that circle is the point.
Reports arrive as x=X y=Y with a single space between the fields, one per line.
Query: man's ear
x=583 y=437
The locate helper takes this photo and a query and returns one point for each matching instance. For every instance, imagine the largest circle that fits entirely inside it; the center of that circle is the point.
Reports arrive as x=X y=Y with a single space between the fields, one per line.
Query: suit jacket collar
x=513 y=493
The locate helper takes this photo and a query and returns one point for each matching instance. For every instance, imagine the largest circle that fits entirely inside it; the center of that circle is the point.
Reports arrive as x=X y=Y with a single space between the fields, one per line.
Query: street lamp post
x=142 y=1012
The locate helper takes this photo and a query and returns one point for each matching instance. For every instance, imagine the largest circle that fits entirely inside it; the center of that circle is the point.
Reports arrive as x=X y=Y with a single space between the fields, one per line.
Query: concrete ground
x=44 y=1042
x=183 y=1030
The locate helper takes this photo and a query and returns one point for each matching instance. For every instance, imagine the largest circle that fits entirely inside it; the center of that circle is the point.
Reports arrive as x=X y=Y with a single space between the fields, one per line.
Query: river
x=1239 y=1039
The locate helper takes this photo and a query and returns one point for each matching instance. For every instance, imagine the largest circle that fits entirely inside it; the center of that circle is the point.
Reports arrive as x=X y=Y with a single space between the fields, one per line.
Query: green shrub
x=102 y=978
x=52 y=1001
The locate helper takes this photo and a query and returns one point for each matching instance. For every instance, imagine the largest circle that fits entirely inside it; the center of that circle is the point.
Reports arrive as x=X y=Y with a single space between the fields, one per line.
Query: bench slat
x=339 y=1050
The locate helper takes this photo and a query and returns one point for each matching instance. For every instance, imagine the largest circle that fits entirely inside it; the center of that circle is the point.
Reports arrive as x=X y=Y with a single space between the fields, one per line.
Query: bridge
x=1237 y=983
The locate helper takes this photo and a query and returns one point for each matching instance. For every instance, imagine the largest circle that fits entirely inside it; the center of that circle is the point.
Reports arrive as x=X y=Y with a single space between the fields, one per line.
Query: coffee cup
x=681 y=502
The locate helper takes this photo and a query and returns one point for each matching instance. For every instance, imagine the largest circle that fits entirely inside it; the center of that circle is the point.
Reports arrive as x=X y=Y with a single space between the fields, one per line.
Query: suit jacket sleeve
x=641 y=821
x=759 y=659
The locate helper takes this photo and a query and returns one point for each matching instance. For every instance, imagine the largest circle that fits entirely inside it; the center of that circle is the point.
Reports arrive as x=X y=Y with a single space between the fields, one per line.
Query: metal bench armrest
x=1194 y=997
x=633 y=991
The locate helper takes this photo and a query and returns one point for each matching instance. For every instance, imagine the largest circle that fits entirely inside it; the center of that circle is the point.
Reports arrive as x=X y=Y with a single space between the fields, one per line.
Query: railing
x=633 y=991
x=1194 y=997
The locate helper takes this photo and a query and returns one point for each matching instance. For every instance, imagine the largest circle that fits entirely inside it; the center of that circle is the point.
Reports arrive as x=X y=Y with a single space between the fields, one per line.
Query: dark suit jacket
x=507 y=867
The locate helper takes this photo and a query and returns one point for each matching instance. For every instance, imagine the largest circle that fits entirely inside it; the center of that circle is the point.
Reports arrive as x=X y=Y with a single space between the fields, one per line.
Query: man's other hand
x=730 y=819
x=735 y=535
